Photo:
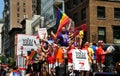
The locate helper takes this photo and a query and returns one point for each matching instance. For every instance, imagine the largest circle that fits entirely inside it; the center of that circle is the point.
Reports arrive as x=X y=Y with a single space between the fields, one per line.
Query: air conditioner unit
x=25 y=16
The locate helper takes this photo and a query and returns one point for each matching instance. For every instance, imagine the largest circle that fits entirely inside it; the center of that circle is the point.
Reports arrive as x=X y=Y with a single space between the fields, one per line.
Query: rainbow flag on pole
x=61 y=20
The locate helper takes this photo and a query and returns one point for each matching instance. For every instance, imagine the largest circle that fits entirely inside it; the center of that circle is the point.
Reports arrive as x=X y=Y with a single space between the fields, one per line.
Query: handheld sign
x=26 y=43
x=80 y=60
x=42 y=33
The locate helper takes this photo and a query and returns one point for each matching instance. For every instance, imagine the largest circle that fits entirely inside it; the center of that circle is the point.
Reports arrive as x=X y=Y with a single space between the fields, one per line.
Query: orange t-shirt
x=59 y=55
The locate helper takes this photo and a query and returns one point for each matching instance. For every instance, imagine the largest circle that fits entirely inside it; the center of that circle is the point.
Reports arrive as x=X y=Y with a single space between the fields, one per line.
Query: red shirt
x=69 y=54
x=51 y=58
x=100 y=58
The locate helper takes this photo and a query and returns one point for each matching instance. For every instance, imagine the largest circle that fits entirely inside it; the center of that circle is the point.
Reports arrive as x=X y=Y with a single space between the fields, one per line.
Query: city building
x=102 y=18
x=48 y=12
x=38 y=7
x=15 y=12
x=1 y=25
x=35 y=25
x=5 y=28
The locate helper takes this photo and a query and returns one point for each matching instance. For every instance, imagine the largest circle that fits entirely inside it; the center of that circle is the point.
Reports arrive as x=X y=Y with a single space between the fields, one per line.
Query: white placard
x=42 y=32
x=80 y=60
x=26 y=43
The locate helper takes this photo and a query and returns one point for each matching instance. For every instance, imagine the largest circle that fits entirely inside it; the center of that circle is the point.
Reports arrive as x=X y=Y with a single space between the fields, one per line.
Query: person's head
x=49 y=37
x=32 y=49
x=15 y=68
x=100 y=43
x=86 y=44
x=50 y=48
x=94 y=43
x=91 y=44
x=63 y=30
x=28 y=53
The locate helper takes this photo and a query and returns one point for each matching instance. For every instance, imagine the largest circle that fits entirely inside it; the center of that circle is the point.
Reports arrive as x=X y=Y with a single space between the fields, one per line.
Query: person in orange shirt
x=59 y=56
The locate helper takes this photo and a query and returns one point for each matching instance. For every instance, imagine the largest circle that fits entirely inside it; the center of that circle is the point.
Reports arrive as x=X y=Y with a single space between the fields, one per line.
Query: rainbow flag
x=33 y=55
x=61 y=20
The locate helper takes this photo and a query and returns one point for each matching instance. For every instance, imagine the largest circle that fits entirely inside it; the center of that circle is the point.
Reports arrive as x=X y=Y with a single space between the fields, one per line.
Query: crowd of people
x=54 y=55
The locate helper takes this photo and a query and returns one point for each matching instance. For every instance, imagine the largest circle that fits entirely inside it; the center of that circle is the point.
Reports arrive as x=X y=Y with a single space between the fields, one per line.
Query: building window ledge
x=101 y=18
x=116 y=19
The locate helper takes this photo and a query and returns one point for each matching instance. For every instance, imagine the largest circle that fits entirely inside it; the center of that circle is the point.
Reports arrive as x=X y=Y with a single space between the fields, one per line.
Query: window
x=75 y=17
x=18 y=21
x=102 y=33
x=116 y=34
x=18 y=9
x=100 y=12
x=34 y=11
x=83 y=14
x=23 y=4
x=51 y=16
x=110 y=0
x=81 y=0
x=75 y=2
x=18 y=15
x=117 y=13
x=24 y=10
x=68 y=5
x=18 y=3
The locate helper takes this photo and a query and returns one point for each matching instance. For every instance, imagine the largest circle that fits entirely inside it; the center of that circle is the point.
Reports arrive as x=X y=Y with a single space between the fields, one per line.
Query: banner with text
x=80 y=60
x=26 y=43
x=42 y=33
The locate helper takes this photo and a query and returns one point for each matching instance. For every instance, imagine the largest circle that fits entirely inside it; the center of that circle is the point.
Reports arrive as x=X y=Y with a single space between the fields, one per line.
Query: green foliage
x=5 y=60
x=2 y=59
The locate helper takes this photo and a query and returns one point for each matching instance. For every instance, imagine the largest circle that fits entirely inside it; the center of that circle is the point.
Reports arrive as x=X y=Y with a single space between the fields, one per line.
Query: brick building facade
x=102 y=18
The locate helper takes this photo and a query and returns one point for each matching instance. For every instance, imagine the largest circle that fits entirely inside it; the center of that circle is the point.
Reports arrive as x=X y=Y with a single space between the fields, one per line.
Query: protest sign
x=26 y=43
x=42 y=33
x=80 y=60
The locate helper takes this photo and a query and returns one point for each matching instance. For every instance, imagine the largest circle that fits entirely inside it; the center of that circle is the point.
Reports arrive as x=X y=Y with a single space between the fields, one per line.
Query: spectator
x=14 y=72
x=100 y=56
x=3 y=72
x=63 y=36
x=94 y=65
x=50 y=59
x=108 y=57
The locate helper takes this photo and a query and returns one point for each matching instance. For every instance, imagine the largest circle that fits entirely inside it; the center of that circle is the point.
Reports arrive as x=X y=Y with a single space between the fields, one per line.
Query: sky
x=1 y=8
